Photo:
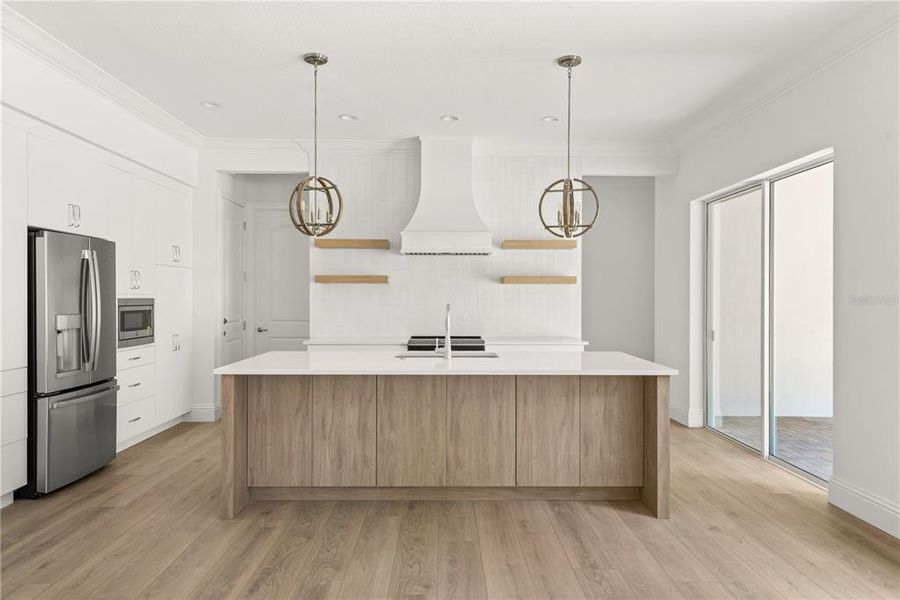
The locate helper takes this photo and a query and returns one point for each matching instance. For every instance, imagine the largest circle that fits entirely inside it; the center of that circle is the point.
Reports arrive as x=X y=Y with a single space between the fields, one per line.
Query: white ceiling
x=650 y=69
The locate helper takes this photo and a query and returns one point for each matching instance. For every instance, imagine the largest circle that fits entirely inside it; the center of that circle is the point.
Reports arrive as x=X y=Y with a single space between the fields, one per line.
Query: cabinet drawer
x=136 y=383
x=13 y=464
x=135 y=357
x=135 y=418
x=14 y=418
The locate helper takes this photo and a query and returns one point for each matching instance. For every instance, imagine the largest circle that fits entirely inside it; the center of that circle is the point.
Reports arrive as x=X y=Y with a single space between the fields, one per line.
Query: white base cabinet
x=174 y=312
x=136 y=402
x=13 y=429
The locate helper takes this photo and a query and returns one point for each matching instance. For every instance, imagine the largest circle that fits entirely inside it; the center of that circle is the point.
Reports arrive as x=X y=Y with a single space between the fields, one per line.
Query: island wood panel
x=655 y=491
x=343 y=447
x=481 y=430
x=612 y=440
x=235 y=486
x=412 y=428
x=279 y=425
x=547 y=430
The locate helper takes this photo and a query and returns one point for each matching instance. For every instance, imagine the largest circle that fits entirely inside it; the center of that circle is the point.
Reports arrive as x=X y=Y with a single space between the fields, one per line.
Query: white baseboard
x=203 y=414
x=6 y=500
x=872 y=509
x=689 y=417
x=147 y=434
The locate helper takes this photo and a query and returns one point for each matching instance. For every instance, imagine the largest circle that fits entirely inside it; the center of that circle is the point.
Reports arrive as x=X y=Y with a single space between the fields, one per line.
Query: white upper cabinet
x=173 y=218
x=131 y=227
x=13 y=345
x=65 y=188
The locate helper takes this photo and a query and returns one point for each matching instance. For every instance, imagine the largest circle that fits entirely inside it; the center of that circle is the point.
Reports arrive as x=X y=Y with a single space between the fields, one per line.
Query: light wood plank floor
x=804 y=442
x=147 y=526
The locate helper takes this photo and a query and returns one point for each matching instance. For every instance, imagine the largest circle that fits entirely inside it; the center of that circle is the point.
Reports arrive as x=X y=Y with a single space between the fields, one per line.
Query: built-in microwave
x=135 y=321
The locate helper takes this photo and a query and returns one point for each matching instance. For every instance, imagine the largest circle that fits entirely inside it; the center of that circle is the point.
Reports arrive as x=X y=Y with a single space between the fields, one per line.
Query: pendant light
x=315 y=205
x=568 y=221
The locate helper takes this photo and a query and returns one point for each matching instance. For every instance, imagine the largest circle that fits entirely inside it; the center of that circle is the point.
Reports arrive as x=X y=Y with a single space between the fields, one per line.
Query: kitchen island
x=370 y=425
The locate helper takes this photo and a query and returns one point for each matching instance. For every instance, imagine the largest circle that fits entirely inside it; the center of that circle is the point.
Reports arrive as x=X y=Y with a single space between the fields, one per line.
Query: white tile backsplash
x=380 y=192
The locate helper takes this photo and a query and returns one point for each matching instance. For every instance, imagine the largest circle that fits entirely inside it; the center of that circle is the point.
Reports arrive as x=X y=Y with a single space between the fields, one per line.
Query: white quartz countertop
x=385 y=362
x=401 y=341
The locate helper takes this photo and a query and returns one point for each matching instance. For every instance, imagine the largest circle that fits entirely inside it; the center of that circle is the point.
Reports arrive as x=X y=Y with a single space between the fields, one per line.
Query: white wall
x=380 y=193
x=617 y=268
x=850 y=104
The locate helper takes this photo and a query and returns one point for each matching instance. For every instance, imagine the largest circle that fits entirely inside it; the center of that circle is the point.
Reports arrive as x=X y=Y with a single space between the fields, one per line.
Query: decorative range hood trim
x=446 y=219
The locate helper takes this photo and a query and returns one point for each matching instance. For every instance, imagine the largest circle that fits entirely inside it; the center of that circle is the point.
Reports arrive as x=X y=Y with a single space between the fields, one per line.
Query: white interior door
x=233 y=305
x=281 y=274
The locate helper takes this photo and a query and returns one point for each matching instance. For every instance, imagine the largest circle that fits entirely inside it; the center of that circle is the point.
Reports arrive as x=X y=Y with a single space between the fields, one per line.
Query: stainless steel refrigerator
x=72 y=358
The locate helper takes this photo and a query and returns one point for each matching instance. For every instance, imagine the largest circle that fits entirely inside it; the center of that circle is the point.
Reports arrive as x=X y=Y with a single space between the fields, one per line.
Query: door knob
x=261 y=330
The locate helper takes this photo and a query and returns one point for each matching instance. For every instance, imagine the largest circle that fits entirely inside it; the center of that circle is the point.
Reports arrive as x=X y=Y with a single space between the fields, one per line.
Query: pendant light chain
x=316 y=121
x=569 y=128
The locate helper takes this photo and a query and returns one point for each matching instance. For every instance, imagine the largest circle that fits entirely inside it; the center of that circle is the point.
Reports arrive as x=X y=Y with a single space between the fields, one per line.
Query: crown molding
x=594 y=149
x=851 y=38
x=40 y=44
x=325 y=147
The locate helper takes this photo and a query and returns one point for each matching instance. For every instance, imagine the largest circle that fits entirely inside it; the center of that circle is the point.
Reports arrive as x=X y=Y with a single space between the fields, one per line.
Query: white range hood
x=446 y=220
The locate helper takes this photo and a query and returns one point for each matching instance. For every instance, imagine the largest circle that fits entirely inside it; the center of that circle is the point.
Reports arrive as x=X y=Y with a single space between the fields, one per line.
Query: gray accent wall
x=617 y=268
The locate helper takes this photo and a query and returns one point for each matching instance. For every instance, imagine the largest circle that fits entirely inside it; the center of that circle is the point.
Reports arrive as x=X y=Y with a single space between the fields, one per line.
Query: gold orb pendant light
x=316 y=204
x=568 y=222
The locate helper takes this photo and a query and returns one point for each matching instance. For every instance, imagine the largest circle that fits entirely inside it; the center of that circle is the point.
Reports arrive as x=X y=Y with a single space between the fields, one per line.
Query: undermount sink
x=458 y=354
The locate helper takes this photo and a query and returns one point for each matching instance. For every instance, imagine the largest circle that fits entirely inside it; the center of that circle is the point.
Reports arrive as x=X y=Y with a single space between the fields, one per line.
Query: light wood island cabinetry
x=467 y=435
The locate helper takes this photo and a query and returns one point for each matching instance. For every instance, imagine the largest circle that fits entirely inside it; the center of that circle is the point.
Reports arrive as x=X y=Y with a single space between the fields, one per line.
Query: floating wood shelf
x=539 y=279
x=351 y=279
x=353 y=243
x=538 y=244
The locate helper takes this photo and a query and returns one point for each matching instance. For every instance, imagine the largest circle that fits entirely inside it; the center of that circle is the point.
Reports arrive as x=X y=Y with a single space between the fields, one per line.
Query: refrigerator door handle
x=96 y=310
x=84 y=301
x=81 y=400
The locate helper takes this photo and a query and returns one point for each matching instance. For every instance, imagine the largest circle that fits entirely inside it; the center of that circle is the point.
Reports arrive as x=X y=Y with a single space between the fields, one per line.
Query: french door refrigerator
x=72 y=358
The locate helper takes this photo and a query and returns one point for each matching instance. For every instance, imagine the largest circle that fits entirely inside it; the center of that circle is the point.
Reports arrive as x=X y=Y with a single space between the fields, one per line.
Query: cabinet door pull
x=173 y=253
x=138 y=280
x=134 y=385
x=135 y=358
x=134 y=419
x=70 y=214
x=78 y=217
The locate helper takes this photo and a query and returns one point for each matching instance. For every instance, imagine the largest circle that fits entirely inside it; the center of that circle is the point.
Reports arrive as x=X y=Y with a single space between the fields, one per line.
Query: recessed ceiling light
x=449 y=118
x=208 y=104
x=346 y=117
x=549 y=119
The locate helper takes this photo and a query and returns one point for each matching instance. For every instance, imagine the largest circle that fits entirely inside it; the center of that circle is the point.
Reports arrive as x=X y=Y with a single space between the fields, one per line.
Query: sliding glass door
x=769 y=286
x=802 y=337
x=734 y=316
